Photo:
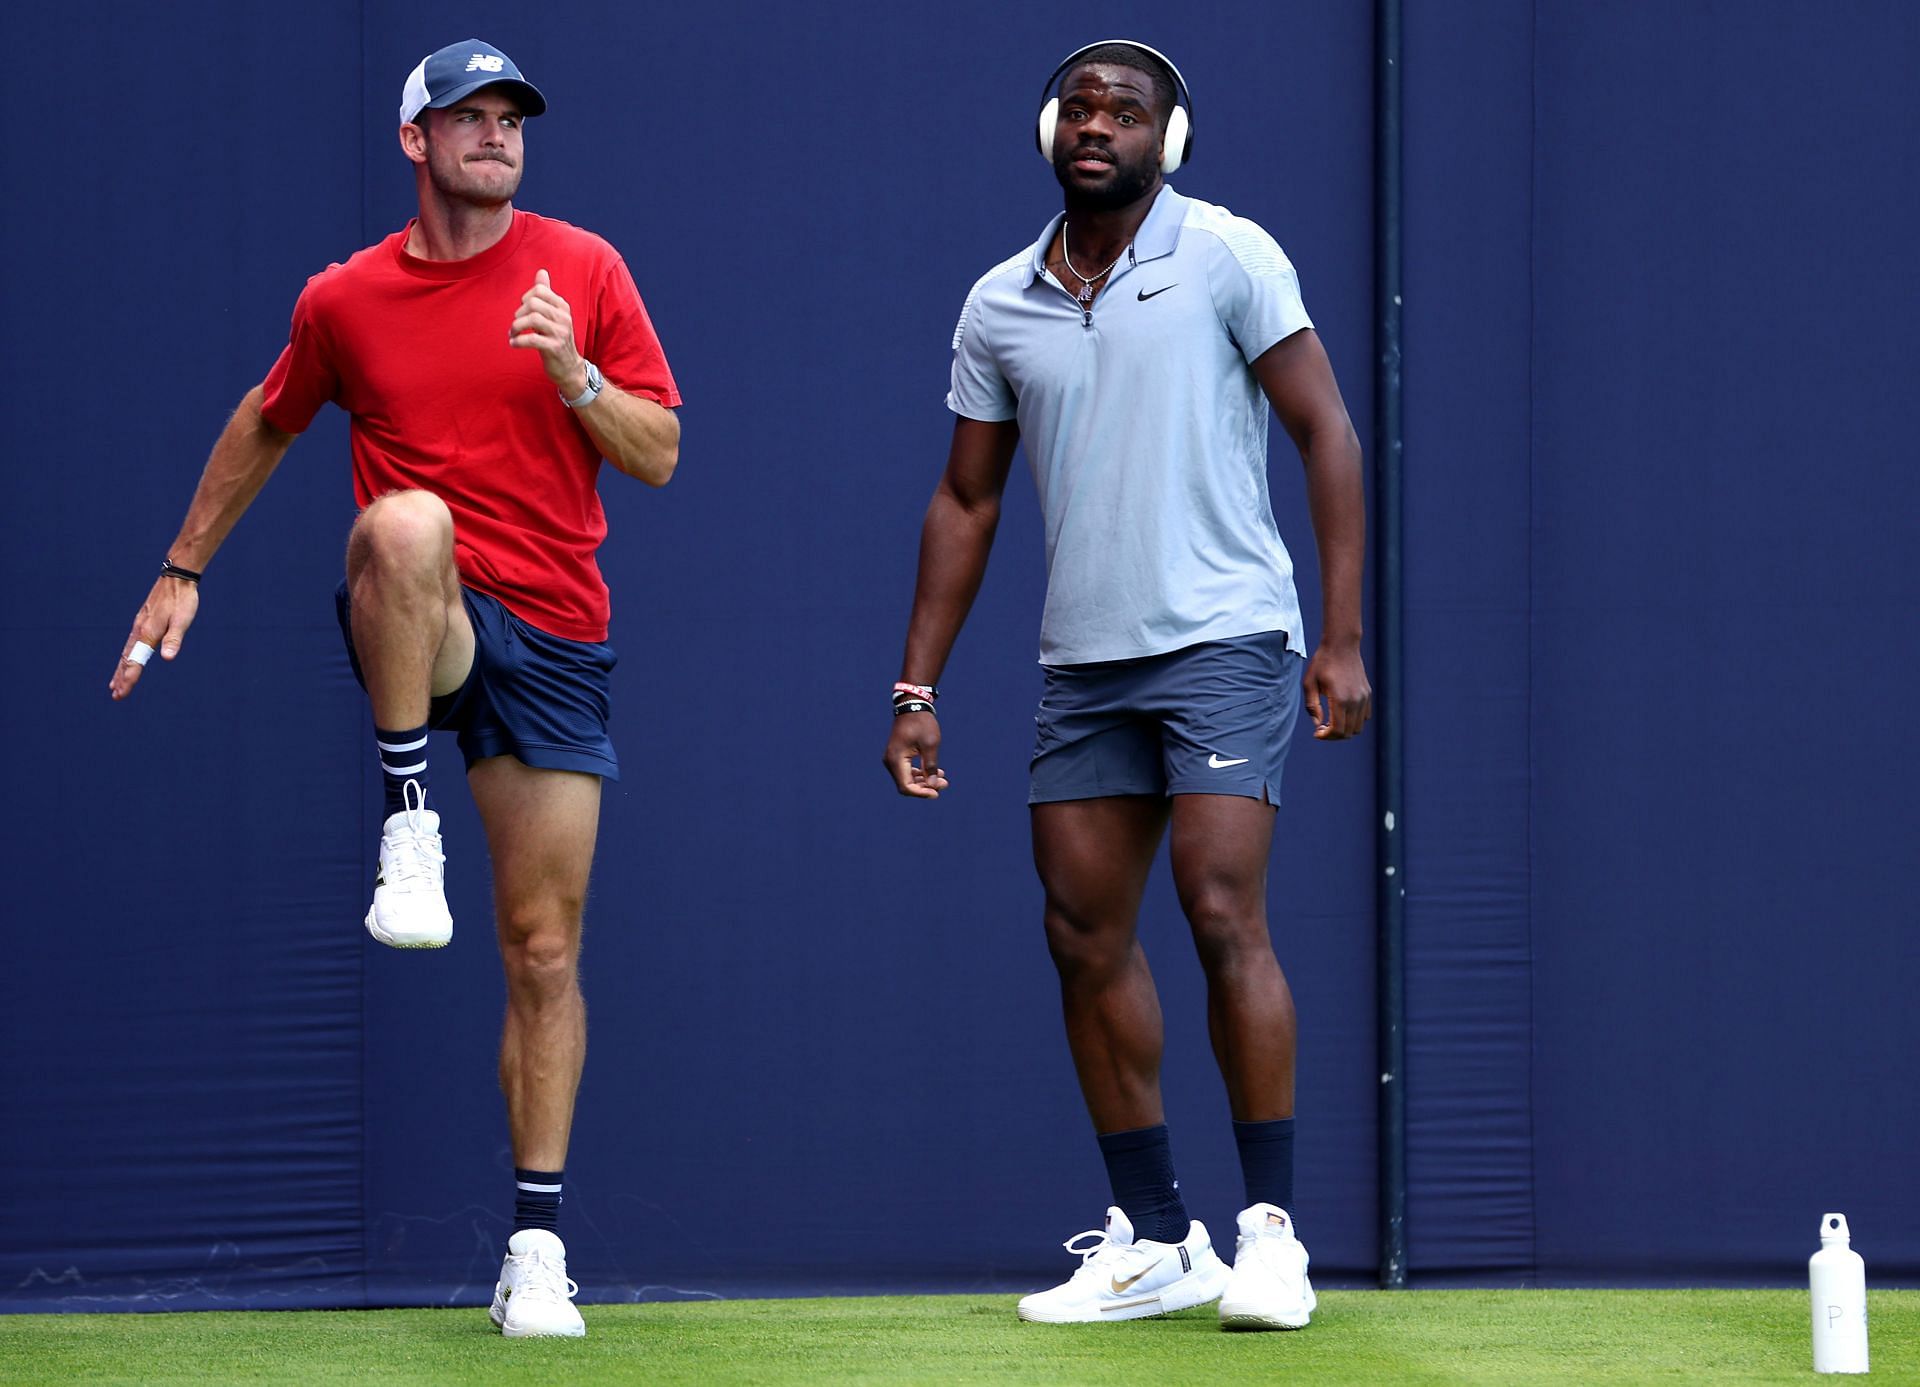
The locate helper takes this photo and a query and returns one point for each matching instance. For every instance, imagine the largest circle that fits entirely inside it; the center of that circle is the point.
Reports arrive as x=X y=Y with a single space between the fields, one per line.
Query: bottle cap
x=1833 y=1228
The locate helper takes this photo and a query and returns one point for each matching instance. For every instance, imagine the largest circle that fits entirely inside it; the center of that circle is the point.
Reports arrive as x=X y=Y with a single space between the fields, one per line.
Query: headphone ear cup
x=1049 y=115
x=1179 y=140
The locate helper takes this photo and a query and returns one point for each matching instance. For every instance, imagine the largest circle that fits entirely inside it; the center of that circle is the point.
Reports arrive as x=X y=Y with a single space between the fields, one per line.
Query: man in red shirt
x=489 y=359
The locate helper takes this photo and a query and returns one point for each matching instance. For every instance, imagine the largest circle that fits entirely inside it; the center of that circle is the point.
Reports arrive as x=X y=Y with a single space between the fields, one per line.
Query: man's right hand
x=916 y=735
x=162 y=623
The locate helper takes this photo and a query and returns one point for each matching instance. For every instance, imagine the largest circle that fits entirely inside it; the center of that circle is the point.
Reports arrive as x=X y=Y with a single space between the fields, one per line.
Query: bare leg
x=1093 y=856
x=410 y=629
x=541 y=827
x=1220 y=849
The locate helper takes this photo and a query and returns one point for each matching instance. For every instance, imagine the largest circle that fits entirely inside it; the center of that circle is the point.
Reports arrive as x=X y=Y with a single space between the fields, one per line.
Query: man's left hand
x=545 y=323
x=1339 y=699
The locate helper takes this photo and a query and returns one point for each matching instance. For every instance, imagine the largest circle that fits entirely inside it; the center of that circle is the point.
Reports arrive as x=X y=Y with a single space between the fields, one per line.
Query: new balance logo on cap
x=485 y=62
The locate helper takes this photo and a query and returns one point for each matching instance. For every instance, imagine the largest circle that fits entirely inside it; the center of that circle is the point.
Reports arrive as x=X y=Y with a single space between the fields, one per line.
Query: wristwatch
x=595 y=384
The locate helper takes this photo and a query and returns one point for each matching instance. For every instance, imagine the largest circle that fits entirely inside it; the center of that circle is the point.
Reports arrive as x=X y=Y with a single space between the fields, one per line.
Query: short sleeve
x=1255 y=290
x=622 y=342
x=978 y=390
x=303 y=378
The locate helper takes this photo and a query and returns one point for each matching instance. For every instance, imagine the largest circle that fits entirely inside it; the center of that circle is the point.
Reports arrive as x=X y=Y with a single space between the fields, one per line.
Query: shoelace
x=413 y=857
x=1098 y=1253
x=540 y=1279
x=1270 y=1248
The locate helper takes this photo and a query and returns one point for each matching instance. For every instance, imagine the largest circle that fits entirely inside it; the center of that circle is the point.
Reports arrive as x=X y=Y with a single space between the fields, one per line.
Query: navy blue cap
x=459 y=70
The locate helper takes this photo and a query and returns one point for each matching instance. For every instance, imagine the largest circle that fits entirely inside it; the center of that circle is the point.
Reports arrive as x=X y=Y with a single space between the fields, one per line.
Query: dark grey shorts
x=539 y=698
x=1211 y=719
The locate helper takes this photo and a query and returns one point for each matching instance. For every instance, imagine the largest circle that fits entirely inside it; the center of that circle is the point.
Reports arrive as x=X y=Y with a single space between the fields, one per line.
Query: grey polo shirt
x=1146 y=431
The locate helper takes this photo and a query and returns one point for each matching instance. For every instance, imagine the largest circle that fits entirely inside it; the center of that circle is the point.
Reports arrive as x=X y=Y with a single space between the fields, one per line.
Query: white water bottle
x=1839 y=1281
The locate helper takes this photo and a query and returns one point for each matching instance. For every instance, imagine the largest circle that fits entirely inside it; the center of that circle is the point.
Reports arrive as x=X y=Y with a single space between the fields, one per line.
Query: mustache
x=1090 y=151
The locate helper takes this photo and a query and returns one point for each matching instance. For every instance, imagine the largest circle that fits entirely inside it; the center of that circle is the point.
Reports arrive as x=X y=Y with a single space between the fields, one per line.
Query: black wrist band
x=912 y=705
x=170 y=569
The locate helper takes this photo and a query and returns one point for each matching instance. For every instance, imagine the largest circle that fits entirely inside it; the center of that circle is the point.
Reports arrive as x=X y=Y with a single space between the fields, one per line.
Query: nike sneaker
x=409 y=909
x=1269 y=1288
x=1121 y=1279
x=534 y=1298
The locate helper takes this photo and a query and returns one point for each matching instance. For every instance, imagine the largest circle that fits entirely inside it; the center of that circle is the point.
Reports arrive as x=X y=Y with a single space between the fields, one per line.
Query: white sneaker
x=409 y=909
x=1269 y=1288
x=534 y=1298
x=1120 y=1279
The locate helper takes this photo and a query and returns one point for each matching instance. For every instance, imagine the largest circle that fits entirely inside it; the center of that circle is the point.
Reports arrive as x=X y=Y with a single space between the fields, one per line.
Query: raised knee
x=403 y=530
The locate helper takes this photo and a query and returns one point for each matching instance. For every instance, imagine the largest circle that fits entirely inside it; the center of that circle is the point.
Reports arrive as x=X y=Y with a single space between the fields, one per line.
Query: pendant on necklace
x=1086 y=293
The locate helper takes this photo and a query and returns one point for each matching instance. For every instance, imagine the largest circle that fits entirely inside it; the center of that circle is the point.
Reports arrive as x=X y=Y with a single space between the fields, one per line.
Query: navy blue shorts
x=1211 y=719
x=542 y=699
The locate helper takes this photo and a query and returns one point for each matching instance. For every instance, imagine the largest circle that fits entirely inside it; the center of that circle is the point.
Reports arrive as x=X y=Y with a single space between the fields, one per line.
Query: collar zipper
x=1086 y=309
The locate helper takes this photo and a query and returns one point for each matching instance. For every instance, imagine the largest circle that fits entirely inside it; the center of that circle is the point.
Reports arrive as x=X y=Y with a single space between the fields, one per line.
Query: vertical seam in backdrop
x=1390 y=882
x=1533 y=226
x=366 y=1191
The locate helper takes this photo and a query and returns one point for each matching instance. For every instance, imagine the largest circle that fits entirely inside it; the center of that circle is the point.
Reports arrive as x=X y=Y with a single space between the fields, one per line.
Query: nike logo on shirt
x=1219 y=765
x=1143 y=295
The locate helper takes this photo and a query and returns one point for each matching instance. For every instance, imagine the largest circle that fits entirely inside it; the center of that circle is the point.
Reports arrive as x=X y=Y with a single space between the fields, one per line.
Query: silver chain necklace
x=1085 y=296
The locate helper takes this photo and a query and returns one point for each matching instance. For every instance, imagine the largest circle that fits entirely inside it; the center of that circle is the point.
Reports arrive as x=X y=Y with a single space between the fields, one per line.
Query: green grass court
x=1484 y=1338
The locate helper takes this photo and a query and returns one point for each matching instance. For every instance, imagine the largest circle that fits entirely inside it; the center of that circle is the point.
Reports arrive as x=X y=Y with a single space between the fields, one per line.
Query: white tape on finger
x=140 y=654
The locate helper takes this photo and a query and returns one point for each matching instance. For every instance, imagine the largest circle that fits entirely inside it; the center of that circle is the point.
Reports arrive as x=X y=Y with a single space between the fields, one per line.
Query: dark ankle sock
x=1266 y=1161
x=536 y=1199
x=403 y=757
x=1140 y=1170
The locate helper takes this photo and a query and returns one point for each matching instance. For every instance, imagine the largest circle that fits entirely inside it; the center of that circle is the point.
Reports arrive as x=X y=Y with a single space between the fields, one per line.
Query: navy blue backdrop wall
x=1660 y=494
x=1662 y=654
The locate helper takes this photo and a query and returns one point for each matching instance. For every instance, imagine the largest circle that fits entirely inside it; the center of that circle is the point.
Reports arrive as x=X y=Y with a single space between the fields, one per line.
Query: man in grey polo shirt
x=1135 y=348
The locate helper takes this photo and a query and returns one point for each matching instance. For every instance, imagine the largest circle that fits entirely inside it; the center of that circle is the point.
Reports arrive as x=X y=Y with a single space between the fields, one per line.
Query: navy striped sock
x=1140 y=1170
x=1266 y=1161
x=403 y=757
x=536 y=1199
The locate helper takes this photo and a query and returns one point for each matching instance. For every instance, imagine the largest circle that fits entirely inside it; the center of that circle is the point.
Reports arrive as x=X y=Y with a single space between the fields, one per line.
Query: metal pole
x=1388 y=723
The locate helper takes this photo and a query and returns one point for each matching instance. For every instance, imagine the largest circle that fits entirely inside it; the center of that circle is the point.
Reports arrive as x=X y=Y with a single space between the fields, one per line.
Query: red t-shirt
x=416 y=351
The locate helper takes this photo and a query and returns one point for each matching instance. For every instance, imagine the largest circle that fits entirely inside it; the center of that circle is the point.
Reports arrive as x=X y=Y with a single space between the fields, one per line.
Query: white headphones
x=1179 y=145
